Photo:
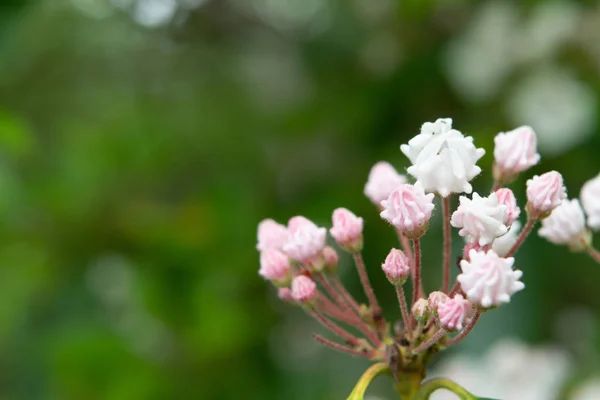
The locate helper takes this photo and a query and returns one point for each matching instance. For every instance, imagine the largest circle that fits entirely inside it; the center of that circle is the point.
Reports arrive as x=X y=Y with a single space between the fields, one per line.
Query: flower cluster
x=297 y=260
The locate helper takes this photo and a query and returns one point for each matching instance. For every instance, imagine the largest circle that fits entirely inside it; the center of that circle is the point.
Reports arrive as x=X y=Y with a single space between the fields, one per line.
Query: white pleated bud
x=566 y=225
x=481 y=219
x=443 y=160
x=489 y=280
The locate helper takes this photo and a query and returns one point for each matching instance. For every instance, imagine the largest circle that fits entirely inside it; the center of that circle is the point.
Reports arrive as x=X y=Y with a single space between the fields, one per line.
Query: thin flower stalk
x=430 y=342
x=522 y=236
x=367 y=353
x=447 y=244
x=417 y=261
x=364 y=279
x=463 y=334
x=404 y=310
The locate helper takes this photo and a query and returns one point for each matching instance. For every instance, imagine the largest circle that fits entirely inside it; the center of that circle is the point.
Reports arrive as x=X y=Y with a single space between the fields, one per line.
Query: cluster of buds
x=297 y=260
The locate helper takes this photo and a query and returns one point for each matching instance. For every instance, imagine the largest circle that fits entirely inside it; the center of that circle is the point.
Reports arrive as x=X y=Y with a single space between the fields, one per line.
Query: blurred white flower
x=510 y=370
x=154 y=13
x=562 y=109
x=478 y=60
x=590 y=390
x=550 y=25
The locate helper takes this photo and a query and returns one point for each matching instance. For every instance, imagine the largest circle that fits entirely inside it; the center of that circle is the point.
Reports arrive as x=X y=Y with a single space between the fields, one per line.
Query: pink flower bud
x=271 y=235
x=420 y=310
x=455 y=312
x=275 y=267
x=304 y=290
x=396 y=267
x=347 y=229
x=331 y=258
x=285 y=294
x=544 y=194
x=408 y=208
x=489 y=280
x=515 y=151
x=383 y=178
x=435 y=299
x=507 y=197
x=306 y=241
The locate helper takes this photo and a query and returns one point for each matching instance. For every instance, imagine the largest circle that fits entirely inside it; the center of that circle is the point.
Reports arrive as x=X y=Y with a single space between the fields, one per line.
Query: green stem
x=432 y=385
x=365 y=380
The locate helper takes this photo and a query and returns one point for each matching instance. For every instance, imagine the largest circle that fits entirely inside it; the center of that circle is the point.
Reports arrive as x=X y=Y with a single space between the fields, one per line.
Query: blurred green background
x=141 y=142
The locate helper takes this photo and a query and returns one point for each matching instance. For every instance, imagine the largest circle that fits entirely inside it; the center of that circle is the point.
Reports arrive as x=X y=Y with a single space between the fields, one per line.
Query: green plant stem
x=365 y=380
x=431 y=386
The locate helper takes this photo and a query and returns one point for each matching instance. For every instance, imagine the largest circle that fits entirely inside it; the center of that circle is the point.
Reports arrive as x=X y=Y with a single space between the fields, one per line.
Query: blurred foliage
x=141 y=141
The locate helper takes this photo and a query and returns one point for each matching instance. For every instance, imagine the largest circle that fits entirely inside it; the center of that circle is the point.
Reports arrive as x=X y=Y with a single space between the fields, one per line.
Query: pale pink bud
x=544 y=194
x=347 y=229
x=383 y=178
x=420 y=310
x=396 y=267
x=481 y=219
x=271 y=235
x=455 y=312
x=304 y=290
x=331 y=258
x=296 y=223
x=306 y=241
x=590 y=200
x=489 y=280
x=507 y=197
x=275 y=266
x=566 y=225
x=285 y=294
x=514 y=152
x=408 y=208
x=435 y=299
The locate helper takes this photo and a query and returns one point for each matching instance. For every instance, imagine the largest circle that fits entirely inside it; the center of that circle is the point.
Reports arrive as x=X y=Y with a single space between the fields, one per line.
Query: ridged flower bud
x=507 y=197
x=566 y=225
x=304 y=290
x=480 y=219
x=514 y=152
x=544 y=193
x=435 y=299
x=489 y=280
x=271 y=235
x=454 y=313
x=383 y=178
x=347 y=230
x=443 y=160
x=409 y=209
x=590 y=199
x=306 y=242
x=275 y=267
x=420 y=310
x=396 y=267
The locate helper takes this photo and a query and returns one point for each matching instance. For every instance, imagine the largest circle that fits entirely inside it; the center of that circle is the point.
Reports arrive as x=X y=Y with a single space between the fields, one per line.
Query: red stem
x=345 y=294
x=522 y=236
x=455 y=289
x=431 y=341
x=595 y=254
x=463 y=334
x=342 y=348
x=349 y=338
x=404 y=310
x=447 y=243
x=496 y=186
x=417 y=280
x=364 y=278
x=356 y=318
